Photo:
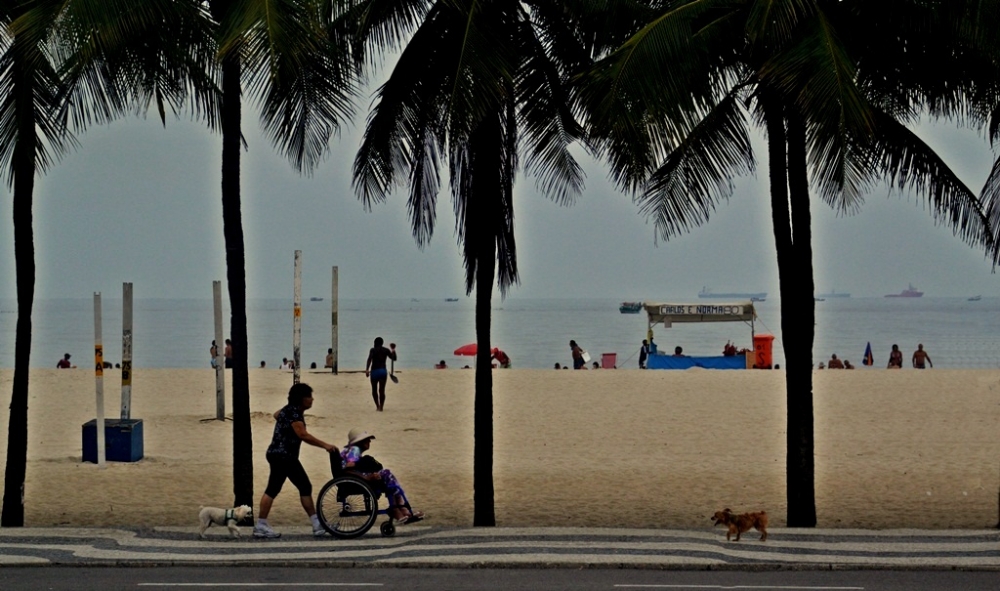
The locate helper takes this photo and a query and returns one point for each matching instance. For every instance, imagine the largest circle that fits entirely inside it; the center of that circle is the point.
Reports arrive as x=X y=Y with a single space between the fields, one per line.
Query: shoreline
x=622 y=448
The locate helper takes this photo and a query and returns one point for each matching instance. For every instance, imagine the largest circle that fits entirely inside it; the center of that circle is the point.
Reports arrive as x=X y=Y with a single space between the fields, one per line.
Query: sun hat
x=357 y=436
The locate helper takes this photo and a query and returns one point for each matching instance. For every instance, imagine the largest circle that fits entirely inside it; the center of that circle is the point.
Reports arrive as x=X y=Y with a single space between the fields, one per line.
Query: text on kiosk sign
x=701 y=310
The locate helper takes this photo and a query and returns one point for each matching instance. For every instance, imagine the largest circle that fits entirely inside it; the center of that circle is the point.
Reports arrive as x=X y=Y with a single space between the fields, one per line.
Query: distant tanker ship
x=707 y=293
x=909 y=292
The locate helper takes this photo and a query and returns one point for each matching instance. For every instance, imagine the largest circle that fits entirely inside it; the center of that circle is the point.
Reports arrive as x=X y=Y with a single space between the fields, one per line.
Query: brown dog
x=738 y=524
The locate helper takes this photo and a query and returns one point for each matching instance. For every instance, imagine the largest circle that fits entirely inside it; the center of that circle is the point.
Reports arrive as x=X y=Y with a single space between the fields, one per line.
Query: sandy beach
x=894 y=449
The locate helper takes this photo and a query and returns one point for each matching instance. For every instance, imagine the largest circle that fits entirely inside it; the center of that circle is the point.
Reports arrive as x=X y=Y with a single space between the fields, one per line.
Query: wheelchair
x=349 y=505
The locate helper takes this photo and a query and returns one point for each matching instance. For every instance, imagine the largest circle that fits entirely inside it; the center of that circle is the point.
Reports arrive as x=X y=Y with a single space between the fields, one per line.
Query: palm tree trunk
x=486 y=147
x=798 y=334
x=236 y=275
x=798 y=467
x=24 y=260
x=483 y=514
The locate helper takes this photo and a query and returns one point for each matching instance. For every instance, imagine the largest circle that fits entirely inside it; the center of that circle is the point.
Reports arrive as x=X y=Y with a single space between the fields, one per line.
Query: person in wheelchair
x=353 y=460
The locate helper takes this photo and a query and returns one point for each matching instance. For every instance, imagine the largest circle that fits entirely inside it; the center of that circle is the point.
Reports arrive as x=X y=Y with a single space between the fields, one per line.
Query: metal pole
x=297 y=319
x=333 y=319
x=220 y=358
x=126 y=351
x=99 y=378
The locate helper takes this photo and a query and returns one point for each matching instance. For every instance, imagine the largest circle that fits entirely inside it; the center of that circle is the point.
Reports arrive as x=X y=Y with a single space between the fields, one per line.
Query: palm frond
x=405 y=133
x=909 y=164
x=377 y=27
x=29 y=92
x=990 y=197
x=641 y=100
x=118 y=54
x=698 y=173
x=771 y=23
x=548 y=127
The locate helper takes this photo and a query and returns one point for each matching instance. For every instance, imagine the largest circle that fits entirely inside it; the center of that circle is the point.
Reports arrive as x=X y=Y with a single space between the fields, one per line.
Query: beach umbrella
x=869 y=359
x=470 y=350
x=467 y=350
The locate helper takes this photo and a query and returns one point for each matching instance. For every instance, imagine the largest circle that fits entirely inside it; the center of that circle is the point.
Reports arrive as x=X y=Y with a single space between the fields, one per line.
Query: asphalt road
x=87 y=578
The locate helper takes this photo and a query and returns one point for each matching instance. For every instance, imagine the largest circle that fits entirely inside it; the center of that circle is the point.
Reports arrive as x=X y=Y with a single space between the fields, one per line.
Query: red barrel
x=762 y=358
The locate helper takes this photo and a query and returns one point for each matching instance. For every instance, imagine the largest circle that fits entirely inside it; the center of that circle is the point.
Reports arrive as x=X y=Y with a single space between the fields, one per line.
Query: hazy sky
x=141 y=203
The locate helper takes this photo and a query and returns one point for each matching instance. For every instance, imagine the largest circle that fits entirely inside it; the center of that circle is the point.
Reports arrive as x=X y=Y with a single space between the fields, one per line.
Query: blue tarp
x=672 y=362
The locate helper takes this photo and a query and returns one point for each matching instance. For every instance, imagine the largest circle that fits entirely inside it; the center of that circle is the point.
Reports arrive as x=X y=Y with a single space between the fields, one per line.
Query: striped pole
x=126 y=351
x=99 y=378
x=333 y=319
x=297 y=319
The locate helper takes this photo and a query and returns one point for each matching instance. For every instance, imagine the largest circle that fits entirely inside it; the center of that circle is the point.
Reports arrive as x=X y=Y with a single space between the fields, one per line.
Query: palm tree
x=287 y=55
x=50 y=59
x=671 y=111
x=479 y=86
x=28 y=89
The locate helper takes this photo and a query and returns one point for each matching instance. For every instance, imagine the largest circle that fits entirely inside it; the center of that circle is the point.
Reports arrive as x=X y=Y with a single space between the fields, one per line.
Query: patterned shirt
x=285 y=443
x=350 y=454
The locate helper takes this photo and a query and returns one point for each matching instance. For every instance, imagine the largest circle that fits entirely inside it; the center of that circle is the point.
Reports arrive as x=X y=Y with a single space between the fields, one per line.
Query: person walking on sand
x=228 y=353
x=328 y=363
x=920 y=358
x=895 y=358
x=577 y=352
x=375 y=370
x=643 y=354
x=214 y=352
x=283 y=459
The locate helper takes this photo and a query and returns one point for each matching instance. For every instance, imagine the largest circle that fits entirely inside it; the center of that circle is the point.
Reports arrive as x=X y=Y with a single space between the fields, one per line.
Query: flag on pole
x=869 y=360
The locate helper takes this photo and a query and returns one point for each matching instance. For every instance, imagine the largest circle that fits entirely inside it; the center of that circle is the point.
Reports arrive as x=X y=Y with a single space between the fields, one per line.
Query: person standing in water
x=375 y=370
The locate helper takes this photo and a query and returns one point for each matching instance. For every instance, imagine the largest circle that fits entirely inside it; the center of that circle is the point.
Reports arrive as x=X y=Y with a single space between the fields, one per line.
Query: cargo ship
x=909 y=292
x=756 y=296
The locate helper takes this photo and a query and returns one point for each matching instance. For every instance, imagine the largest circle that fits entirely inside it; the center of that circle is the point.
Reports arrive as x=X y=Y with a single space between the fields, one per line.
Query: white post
x=126 y=351
x=99 y=378
x=297 y=319
x=333 y=320
x=220 y=359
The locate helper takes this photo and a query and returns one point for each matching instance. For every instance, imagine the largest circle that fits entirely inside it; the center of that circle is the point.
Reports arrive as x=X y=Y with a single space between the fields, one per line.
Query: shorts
x=379 y=375
x=578 y=363
x=290 y=468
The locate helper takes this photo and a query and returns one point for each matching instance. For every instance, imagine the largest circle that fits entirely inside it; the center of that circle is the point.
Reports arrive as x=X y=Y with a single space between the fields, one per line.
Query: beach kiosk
x=667 y=314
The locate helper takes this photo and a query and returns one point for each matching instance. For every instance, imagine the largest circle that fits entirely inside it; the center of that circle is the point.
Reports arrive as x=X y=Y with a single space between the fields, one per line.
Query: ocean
x=177 y=333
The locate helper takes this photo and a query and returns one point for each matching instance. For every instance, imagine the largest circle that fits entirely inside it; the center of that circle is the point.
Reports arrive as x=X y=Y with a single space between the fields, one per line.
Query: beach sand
x=622 y=448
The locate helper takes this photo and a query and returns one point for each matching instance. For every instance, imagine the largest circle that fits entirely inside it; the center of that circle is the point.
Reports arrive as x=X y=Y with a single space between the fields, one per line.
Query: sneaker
x=319 y=532
x=264 y=531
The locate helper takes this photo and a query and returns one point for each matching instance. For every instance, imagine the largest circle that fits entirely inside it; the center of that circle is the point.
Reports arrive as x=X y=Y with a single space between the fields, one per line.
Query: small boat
x=315 y=299
x=630 y=307
x=909 y=292
x=819 y=299
x=451 y=299
x=975 y=298
x=833 y=294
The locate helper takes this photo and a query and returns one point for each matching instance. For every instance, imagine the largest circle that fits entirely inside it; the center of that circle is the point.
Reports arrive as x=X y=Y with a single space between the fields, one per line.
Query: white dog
x=227 y=517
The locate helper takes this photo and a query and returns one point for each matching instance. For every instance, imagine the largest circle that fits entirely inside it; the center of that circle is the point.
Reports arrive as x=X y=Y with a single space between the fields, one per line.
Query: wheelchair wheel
x=387 y=529
x=347 y=507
